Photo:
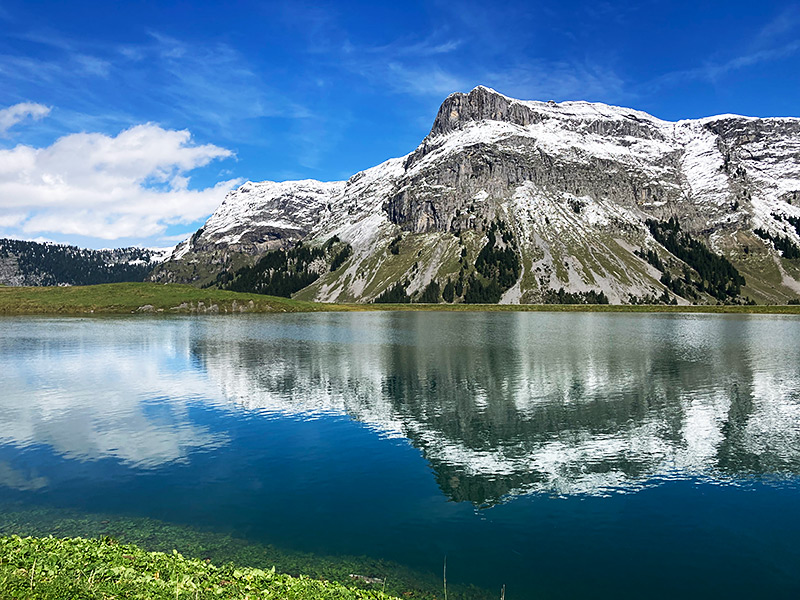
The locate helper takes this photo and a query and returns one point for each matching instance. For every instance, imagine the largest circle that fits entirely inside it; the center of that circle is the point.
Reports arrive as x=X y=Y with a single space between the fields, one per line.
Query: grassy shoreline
x=153 y=298
x=350 y=576
x=55 y=568
x=360 y=573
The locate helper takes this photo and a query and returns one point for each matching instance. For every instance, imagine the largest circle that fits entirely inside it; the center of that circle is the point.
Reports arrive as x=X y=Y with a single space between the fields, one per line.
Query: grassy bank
x=126 y=298
x=153 y=298
x=374 y=574
x=54 y=569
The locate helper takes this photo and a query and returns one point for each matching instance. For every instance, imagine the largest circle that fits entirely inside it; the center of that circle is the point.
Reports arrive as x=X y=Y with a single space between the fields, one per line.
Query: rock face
x=253 y=219
x=573 y=184
x=482 y=104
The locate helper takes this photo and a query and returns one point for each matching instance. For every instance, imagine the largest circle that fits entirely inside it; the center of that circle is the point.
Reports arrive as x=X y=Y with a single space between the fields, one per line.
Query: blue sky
x=124 y=123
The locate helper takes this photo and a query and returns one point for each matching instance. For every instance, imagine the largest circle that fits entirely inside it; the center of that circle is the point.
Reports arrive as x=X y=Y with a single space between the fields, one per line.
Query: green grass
x=127 y=298
x=119 y=298
x=57 y=569
x=222 y=548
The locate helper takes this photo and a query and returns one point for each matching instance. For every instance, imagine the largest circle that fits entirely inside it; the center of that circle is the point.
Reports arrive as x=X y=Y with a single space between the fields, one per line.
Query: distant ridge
x=34 y=264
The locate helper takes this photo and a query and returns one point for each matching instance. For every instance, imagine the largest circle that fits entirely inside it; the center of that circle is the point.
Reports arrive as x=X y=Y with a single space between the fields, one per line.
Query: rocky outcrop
x=450 y=195
x=252 y=219
x=481 y=104
x=258 y=217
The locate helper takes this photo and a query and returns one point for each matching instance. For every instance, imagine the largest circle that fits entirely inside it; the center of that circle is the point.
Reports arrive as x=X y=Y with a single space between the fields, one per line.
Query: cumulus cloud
x=133 y=184
x=14 y=114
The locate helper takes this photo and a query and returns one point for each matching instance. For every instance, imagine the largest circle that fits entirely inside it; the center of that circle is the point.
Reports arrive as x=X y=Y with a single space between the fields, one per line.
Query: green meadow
x=154 y=298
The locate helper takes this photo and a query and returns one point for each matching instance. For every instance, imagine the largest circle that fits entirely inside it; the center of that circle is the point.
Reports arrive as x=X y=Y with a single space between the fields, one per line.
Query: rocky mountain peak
x=481 y=104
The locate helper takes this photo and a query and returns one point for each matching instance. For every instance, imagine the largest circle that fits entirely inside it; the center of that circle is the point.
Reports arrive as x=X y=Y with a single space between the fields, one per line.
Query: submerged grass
x=215 y=548
x=126 y=298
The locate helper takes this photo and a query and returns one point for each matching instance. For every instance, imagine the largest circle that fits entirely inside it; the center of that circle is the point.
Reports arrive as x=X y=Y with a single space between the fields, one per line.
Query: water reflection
x=499 y=404
x=92 y=390
x=17 y=479
x=502 y=405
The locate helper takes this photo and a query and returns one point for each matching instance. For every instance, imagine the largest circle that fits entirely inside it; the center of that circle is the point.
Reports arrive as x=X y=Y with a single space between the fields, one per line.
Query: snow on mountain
x=573 y=181
x=259 y=216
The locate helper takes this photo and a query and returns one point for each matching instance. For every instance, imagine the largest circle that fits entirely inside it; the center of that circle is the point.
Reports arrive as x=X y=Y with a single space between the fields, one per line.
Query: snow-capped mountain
x=258 y=217
x=578 y=192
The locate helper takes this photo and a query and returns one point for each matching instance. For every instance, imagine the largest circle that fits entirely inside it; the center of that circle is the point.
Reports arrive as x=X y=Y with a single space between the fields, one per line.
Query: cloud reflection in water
x=499 y=404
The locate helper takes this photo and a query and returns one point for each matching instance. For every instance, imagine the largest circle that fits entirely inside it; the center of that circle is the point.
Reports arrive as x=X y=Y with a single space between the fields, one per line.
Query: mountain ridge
x=575 y=183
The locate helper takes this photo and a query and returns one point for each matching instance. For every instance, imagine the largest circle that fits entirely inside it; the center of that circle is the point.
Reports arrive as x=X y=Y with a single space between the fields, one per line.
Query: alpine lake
x=560 y=455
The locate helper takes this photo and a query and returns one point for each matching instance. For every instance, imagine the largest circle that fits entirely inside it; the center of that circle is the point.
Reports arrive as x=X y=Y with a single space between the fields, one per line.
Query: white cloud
x=133 y=184
x=713 y=71
x=179 y=237
x=12 y=219
x=14 y=114
x=547 y=80
x=426 y=81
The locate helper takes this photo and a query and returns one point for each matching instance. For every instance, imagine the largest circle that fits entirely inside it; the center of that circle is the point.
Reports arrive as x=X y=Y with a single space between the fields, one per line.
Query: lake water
x=563 y=455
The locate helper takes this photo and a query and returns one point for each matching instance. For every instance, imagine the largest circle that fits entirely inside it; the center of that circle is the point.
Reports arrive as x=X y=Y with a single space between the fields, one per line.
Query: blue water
x=561 y=455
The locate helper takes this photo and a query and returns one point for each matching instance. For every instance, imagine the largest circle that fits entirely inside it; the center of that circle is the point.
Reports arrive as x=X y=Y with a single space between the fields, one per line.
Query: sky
x=126 y=123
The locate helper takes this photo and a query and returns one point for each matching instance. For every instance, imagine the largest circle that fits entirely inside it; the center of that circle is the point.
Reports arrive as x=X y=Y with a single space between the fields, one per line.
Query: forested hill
x=32 y=263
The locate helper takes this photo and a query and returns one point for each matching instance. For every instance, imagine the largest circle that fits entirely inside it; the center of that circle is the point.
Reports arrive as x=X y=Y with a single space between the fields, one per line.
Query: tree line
x=57 y=264
x=716 y=275
x=283 y=272
x=787 y=247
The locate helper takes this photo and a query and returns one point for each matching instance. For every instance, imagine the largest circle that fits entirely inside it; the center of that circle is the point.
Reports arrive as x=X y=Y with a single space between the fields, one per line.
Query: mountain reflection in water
x=500 y=405
x=503 y=405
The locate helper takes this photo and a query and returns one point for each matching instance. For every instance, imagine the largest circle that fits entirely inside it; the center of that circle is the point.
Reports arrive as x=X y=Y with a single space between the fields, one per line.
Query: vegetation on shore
x=359 y=573
x=132 y=297
x=54 y=569
x=155 y=298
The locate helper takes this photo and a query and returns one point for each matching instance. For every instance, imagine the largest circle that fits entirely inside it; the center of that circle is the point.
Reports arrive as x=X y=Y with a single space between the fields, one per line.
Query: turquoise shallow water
x=562 y=455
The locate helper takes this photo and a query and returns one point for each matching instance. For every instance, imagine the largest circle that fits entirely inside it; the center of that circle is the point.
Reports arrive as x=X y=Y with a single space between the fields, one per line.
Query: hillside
x=31 y=263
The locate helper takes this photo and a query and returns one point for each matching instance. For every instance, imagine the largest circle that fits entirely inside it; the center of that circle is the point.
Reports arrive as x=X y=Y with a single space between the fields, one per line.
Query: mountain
x=523 y=201
x=32 y=263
